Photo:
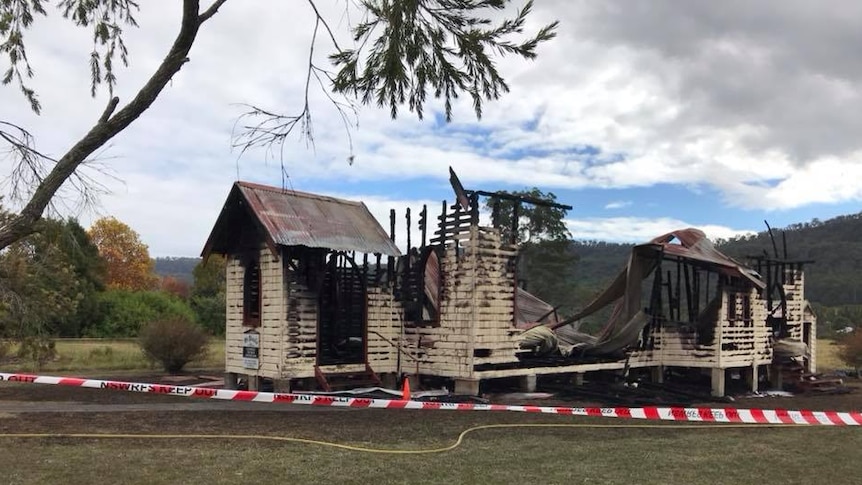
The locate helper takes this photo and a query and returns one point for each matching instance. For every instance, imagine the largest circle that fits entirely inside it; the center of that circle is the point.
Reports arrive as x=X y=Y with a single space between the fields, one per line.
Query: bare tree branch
x=28 y=164
x=30 y=168
x=264 y=128
x=20 y=141
x=208 y=13
x=109 y=109
x=325 y=25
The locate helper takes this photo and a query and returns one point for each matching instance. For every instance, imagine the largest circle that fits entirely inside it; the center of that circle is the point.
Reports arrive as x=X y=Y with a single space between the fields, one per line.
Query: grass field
x=658 y=455
x=108 y=354
x=124 y=354
x=827 y=358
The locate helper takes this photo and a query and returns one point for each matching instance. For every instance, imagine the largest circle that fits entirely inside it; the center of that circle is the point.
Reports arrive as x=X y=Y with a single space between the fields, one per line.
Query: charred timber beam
x=407 y=217
x=520 y=198
x=423 y=224
x=513 y=235
x=678 y=289
x=390 y=262
x=766 y=259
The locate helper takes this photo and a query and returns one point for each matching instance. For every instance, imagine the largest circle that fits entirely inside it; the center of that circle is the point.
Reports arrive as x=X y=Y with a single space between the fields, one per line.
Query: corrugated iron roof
x=694 y=245
x=292 y=218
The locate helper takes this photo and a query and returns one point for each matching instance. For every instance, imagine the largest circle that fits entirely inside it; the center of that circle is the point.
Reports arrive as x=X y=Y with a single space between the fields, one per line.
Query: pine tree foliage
x=49 y=282
x=446 y=47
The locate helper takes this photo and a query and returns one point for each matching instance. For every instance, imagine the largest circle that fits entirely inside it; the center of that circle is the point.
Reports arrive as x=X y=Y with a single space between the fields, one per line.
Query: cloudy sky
x=644 y=116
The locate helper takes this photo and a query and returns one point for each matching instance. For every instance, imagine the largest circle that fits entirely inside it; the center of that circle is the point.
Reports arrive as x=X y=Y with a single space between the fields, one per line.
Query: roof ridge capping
x=296 y=193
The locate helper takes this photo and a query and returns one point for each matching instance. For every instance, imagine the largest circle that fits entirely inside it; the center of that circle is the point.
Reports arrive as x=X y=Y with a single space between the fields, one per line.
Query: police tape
x=711 y=415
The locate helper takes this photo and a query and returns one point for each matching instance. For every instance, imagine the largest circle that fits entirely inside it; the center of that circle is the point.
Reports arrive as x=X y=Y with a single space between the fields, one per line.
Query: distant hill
x=178 y=267
x=834 y=245
x=599 y=262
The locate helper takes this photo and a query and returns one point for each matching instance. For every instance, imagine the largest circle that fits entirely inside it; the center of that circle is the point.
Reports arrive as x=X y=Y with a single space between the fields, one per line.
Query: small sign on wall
x=251 y=350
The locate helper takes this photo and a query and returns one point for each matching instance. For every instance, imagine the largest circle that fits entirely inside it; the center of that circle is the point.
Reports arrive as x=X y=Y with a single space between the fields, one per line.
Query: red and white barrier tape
x=712 y=415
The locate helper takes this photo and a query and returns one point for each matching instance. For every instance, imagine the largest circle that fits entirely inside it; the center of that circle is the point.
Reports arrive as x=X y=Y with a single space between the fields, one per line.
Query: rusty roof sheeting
x=294 y=218
x=693 y=244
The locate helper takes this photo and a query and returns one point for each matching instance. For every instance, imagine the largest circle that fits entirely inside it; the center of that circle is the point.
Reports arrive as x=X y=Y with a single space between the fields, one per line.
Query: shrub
x=173 y=342
x=850 y=349
x=210 y=312
x=38 y=350
x=122 y=313
x=101 y=353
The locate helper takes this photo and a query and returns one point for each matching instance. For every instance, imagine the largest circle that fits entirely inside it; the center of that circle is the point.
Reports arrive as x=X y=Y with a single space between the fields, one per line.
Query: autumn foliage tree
x=127 y=259
x=175 y=286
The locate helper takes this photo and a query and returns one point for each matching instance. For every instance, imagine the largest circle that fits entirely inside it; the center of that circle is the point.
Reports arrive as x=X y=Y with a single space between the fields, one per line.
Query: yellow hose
x=362 y=449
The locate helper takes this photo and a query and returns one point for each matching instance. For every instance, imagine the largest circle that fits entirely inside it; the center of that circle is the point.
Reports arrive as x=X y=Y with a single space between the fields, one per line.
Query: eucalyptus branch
x=402 y=50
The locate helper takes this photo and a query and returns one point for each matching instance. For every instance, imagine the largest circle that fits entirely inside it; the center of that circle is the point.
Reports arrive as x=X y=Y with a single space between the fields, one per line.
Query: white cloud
x=618 y=204
x=638 y=230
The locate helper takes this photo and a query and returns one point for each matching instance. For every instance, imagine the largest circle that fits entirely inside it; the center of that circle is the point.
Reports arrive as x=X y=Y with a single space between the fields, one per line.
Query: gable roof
x=292 y=218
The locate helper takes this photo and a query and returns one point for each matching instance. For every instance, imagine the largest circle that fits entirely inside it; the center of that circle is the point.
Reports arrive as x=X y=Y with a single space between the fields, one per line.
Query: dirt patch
x=851 y=401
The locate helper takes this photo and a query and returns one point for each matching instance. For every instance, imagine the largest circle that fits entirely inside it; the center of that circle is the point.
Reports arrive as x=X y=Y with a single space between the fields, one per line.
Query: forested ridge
x=181 y=267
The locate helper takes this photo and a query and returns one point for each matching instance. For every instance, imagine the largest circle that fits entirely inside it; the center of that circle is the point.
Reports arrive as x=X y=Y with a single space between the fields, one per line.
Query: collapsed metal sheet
x=627 y=319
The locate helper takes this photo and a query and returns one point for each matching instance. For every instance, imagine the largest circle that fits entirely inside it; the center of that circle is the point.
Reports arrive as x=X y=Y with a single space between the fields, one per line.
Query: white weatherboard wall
x=273 y=316
x=476 y=309
x=811 y=319
x=288 y=330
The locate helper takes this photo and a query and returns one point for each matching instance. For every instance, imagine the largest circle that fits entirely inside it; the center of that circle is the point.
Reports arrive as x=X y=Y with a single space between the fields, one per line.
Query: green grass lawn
x=79 y=355
x=497 y=456
x=827 y=356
